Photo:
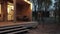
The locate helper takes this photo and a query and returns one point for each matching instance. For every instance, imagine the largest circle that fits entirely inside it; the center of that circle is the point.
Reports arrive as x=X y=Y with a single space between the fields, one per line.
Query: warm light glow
x=0 y=8
x=29 y=3
x=10 y=9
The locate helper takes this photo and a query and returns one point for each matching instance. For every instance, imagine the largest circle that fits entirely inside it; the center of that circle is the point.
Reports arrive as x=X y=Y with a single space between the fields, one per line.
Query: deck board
x=12 y=23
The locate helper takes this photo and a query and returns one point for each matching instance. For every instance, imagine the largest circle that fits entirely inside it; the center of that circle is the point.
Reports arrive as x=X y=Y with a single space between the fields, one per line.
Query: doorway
x=10 y=9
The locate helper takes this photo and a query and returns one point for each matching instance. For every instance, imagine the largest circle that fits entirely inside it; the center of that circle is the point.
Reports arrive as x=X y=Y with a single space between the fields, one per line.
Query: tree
x=41 y=4
x=57 y=9
x=58 y=4
x=46 y=3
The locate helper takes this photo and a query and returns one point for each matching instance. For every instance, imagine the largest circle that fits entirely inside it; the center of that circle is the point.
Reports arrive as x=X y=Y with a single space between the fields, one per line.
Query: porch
x=15 y=16
x=13 y=10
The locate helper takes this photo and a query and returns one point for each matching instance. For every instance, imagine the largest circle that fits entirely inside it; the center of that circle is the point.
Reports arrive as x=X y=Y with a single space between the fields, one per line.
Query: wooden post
x=14 y=2
x=4 y=10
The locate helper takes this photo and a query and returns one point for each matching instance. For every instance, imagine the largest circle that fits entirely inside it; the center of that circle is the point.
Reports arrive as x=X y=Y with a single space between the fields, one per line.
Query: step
x=9 y=30
x=10 y=26
x=16 y=28
x=19 y=31
x=4 y=28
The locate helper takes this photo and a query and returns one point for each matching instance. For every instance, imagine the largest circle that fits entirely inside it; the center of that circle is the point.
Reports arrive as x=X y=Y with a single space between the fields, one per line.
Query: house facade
x=15 y=10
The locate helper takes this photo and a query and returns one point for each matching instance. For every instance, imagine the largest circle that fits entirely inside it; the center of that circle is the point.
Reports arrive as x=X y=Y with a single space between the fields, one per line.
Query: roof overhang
x=19 y=1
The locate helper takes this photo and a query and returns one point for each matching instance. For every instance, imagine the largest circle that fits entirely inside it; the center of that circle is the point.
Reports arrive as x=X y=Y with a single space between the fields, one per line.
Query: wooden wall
x=24 y=10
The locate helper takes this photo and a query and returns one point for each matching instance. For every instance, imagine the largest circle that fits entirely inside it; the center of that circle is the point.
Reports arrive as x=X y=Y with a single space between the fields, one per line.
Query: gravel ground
x=47 y=29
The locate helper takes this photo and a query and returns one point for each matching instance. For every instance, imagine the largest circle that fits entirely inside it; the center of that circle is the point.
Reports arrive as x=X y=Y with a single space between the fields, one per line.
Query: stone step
x=11 y=30
x=16 y=28
x=4 y=28
x=19 y=31
x=12 y=27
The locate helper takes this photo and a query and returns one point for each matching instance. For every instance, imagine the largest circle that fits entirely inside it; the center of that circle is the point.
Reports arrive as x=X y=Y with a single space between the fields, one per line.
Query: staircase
x=13 y=29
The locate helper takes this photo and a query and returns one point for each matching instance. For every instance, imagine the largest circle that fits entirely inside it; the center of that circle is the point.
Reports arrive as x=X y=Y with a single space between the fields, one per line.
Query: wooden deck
x=18 y=27
x=17 y=23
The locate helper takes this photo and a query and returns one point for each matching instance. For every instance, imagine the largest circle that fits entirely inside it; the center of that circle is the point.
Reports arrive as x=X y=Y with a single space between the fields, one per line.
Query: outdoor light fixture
x=29 y=3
